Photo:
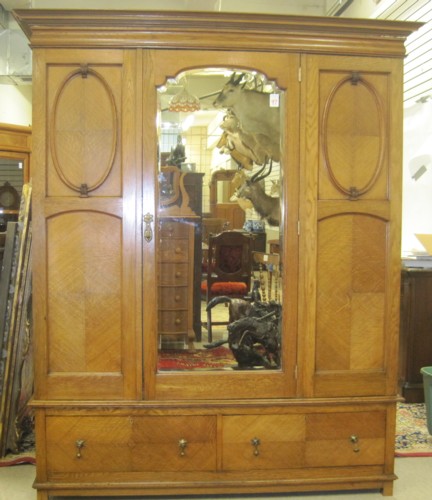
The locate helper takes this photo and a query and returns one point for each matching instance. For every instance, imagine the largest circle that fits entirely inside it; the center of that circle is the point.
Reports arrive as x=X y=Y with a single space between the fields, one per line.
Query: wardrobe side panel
x=85 y=212
x=352 y=180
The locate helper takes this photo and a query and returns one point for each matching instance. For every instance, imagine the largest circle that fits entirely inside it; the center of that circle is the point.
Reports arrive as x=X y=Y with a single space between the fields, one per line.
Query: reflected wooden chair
x=229 y=269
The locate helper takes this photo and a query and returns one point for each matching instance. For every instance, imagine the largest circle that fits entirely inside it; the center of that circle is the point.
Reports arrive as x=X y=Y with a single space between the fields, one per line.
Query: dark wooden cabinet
x=416 y=331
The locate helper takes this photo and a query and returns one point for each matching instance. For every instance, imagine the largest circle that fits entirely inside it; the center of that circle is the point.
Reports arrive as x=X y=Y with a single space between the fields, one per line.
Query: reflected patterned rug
x=219 y=358
x=412 y=436
x=27 y=457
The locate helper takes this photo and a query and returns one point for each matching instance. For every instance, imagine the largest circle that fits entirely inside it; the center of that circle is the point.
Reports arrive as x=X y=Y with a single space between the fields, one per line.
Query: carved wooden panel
x=84 y=103
x=353 y=136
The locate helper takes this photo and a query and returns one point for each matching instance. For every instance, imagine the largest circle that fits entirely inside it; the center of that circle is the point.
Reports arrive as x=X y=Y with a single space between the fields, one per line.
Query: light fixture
x=184 y=102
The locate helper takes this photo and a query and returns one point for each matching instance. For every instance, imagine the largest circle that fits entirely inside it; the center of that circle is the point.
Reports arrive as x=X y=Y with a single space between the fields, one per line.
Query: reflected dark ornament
x=178 y=154
x=254 y=339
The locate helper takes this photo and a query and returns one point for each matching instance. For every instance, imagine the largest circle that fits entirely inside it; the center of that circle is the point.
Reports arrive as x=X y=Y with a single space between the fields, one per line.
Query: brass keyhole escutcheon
x=182 y=445
x=255 y=442
x=354 y=440
x=80 y=443
x=148 y=231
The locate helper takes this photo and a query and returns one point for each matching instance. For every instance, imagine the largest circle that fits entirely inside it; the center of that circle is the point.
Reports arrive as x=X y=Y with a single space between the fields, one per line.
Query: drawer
x=310 y=440
x=263 y=442
x=173 y=274
x=130 y=444
x=173 y=297
x=173 y=321
x=343 y=439
x=174 y=250
x=174 y=229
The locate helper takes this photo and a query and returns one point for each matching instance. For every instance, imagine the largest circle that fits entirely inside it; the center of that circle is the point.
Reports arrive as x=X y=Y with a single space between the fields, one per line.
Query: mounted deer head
x=267 y=206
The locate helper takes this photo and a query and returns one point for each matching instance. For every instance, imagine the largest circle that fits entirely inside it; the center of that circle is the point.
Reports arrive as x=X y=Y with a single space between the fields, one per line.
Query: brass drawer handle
x=255 y=442
x=182 y=445
x=80 y=443
x=354 y=440
x=178 y=250
x=177 y=321
x=178 y=274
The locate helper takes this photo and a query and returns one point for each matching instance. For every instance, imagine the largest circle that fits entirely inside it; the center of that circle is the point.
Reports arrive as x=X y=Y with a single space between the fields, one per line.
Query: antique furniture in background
x=15 y=149
x=194 y=187
x=229 y=268
x=107 y=422
x=416 y=331
x=221 y=190
x=16 y=377
x=176 y=271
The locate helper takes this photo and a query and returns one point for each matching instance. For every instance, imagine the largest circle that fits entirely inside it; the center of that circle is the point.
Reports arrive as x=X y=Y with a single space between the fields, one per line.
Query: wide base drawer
x=128 y=444
x=303 y=440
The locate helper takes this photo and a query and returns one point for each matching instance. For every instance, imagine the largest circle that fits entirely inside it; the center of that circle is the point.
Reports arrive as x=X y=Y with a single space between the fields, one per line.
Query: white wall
x=16 y=104
x=417 y=194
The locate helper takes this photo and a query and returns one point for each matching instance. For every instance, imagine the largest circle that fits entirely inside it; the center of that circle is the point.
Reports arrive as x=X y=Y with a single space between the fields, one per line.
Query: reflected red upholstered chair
x=229 y=268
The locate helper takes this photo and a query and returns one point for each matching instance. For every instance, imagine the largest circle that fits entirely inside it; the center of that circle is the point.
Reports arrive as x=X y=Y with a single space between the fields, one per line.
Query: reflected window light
x=187 y=122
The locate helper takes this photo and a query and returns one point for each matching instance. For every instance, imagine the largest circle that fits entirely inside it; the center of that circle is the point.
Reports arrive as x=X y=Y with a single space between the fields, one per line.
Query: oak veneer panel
x=281 y=440
x=352 y=250
x=84 y=285
x=328 y=439
x=128 y=444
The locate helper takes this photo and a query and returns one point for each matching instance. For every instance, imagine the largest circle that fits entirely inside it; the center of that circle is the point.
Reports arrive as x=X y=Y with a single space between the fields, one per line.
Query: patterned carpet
x=412 y=436
x=220 y=358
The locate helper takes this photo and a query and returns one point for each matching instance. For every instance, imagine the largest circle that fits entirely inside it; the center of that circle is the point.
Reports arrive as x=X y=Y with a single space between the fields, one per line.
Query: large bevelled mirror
x=219 y=228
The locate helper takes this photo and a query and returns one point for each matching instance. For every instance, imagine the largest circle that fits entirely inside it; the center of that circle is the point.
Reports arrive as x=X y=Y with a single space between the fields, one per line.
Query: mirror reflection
x=219 y=225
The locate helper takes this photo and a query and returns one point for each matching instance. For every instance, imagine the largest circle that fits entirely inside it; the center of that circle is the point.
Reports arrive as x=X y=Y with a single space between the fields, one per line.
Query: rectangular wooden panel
x=341 y=439
x=350 y=302
x=263 y=442
x=127 y=444
x=85 y=235
x=84 y=293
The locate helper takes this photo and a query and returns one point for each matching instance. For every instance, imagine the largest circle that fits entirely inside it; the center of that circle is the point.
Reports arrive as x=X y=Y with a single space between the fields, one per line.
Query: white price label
x=274 y=100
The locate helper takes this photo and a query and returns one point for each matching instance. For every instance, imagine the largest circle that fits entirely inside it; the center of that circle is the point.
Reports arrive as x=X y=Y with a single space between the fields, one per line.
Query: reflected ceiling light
x=184 y=102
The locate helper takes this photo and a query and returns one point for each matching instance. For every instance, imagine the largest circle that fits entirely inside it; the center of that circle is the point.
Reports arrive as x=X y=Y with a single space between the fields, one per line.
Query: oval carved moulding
x=84 y=129
x=353 y=136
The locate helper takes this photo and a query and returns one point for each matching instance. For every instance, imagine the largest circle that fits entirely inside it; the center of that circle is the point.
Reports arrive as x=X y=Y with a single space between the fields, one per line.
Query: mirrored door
x=221 y=270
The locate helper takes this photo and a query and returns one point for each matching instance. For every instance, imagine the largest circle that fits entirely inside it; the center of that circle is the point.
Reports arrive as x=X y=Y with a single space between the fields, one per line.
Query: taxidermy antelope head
x=267 y=206
x=253 y=111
